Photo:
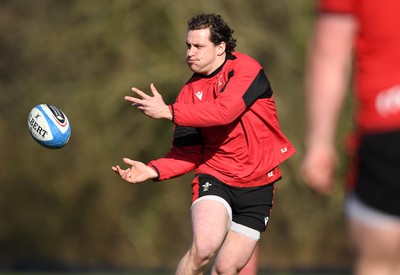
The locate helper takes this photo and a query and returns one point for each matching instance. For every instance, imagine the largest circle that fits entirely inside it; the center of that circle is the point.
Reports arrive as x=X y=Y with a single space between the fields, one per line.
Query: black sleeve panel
x=259 y=88
x=187 y=136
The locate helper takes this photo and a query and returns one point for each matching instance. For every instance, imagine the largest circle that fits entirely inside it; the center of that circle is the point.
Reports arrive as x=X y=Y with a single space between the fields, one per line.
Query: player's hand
x=152 y=106
x=318 y=168
x=138 y=172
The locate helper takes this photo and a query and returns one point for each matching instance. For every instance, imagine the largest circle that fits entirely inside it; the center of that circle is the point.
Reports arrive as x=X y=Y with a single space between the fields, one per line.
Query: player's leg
x=251 y=267
x=251 y=209
x=211 y=222
x=234 y=254
x=373 y=211
x=375 y=237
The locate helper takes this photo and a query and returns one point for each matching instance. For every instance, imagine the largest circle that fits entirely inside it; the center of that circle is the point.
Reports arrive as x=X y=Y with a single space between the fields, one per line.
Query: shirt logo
x=270 y=174
x=206 y=186
x=199 y=94
x=266 y=219
x=284 y=150
x=388 y=101
x=220 y=83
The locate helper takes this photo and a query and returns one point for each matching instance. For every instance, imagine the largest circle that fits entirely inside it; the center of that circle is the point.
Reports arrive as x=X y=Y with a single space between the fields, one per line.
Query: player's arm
x=184 y=156
x=246 y=83
x=244 y=86
x=327 y=73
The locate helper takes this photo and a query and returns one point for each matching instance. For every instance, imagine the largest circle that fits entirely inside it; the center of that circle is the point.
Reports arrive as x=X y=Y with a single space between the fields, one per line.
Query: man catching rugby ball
x=226 y=129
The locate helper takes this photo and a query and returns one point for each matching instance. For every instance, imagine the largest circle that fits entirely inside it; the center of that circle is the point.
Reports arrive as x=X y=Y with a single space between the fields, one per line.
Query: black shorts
x=251 y=206
x=378 y=172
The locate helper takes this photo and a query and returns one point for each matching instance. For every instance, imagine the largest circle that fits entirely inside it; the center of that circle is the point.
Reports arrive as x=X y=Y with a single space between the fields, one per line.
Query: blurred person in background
x=366 y=32
x=227 y=130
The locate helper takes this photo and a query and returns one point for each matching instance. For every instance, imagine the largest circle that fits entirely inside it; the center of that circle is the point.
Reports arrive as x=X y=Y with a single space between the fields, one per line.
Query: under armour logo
x=206 y=186
x=284 y=150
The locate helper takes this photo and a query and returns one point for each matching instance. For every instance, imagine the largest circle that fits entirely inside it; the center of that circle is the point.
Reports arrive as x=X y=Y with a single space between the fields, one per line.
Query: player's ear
x=221 y=48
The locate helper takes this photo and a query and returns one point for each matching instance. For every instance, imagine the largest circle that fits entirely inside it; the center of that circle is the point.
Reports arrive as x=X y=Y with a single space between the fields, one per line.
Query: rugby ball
x=49 y=126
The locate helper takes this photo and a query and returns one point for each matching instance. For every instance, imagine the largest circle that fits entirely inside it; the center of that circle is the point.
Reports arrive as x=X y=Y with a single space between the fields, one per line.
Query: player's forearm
x=324 y=99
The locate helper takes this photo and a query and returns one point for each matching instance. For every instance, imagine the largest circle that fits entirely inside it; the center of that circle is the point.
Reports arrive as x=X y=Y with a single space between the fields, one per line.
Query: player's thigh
x=373 y=233
x=234 y=253
x=210 y=222
x=374 y=239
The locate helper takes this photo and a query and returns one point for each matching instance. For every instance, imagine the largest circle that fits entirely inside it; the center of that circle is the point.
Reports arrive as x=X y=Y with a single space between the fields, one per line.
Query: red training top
x=226 y=126
x=377 y=50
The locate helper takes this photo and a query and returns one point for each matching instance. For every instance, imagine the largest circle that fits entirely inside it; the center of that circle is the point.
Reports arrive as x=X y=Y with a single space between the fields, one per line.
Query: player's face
x=202 y=55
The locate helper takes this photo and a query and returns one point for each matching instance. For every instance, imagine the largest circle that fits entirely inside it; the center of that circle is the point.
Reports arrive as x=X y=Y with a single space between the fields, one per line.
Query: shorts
x=356 y=210
x=377 y=174
x=249 y=207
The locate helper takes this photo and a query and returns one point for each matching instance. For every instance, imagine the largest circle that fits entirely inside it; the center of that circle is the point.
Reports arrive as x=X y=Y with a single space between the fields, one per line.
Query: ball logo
x=34 y=125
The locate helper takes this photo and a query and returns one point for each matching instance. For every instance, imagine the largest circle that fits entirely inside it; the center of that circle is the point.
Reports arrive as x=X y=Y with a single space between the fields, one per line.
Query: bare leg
x=377 y=248
x=234 y=254
x=211 y=222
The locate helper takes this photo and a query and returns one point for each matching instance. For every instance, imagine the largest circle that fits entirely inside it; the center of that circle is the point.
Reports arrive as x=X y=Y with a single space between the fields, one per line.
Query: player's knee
x=202 y=255
x=222 y=268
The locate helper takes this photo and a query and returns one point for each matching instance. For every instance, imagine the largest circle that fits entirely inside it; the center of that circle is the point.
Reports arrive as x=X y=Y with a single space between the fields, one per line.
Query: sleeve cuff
x=156 y=170
x=171 y=109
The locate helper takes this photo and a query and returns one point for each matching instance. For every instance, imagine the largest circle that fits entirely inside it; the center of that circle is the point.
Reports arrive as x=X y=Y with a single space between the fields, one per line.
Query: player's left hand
x=152 y=106
x=138 y=172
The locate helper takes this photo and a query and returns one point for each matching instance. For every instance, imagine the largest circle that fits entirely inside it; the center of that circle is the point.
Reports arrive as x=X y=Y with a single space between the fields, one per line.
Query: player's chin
x=193 y=67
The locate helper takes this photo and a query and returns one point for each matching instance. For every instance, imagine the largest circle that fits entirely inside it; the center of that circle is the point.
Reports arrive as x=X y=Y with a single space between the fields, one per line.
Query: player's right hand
x=318 y=169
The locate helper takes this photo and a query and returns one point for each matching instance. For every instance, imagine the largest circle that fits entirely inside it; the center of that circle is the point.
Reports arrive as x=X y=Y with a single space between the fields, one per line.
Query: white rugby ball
x=49 y=126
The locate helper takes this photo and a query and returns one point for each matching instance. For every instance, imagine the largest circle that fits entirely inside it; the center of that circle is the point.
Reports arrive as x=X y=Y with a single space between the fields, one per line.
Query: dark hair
x=219 y=29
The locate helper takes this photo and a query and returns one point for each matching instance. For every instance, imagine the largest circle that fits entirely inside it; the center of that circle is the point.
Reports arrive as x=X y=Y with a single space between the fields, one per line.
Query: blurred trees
x=66 y=206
